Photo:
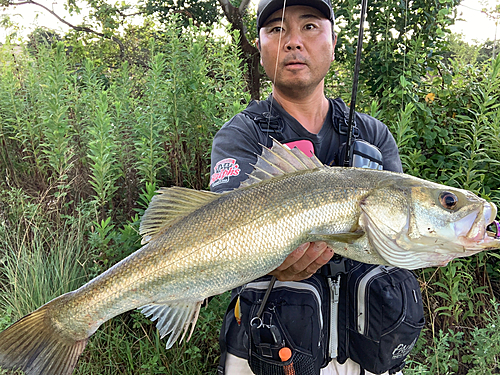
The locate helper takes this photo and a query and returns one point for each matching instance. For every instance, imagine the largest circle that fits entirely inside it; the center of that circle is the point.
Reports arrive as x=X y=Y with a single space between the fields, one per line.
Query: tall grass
x=85 y=130
x=130 y=344
x=39 y=261
x=151 y=121
x=103 y=151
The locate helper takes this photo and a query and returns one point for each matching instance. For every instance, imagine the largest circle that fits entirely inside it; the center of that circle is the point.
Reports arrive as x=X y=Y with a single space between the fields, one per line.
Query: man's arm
x=378 y=134
x=234 y=149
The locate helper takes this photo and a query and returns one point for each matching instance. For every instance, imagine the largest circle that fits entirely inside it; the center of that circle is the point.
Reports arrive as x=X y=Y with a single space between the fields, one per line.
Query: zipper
x=333 y=343
x=362 y=303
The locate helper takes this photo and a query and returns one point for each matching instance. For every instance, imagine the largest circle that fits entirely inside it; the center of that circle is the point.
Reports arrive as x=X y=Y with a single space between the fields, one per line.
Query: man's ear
x=257 y=42
x=334 y=44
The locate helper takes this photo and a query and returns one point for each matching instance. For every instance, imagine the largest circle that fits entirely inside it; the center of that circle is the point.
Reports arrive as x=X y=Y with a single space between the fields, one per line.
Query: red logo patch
x=223 y=170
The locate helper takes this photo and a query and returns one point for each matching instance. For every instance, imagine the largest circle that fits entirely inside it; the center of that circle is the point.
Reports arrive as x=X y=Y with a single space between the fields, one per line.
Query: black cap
x=268 y=7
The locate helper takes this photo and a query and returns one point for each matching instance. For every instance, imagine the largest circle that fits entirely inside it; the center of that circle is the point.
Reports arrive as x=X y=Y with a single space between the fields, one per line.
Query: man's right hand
x=303 y=262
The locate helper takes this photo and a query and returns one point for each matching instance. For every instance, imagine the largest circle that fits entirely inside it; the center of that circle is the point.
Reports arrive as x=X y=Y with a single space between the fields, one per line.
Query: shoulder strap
x=259 y=112
x=341 y=126
x=222 y=340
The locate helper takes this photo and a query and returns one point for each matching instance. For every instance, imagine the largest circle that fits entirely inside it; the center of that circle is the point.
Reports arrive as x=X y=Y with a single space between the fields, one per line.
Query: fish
x=197 y=244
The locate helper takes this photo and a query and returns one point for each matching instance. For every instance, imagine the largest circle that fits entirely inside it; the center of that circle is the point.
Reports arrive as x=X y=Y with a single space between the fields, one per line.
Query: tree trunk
x=250 y=52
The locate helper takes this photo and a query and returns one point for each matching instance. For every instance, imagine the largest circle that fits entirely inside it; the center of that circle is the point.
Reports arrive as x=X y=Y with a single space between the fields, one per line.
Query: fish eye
x=448 y=200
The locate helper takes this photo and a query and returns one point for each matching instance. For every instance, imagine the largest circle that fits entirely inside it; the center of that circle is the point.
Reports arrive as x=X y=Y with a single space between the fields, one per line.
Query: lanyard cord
x=348 y=148
x=264 y=301
x=276 y=66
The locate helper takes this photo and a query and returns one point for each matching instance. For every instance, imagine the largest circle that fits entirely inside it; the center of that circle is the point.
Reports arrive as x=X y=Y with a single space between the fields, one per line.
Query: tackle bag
x=369 y=313
x=380 y=316
x=294 y=316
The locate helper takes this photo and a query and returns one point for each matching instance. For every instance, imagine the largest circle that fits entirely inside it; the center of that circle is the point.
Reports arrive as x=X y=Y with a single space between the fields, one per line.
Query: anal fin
x=173 y=319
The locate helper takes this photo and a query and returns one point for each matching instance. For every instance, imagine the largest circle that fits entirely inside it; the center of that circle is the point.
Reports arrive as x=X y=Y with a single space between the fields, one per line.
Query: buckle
x=269 y=123
x=336 y=266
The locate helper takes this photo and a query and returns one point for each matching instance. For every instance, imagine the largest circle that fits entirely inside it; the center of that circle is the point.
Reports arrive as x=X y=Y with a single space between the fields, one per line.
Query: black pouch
x=364 y=155
x=382 y=314
x=292 y=317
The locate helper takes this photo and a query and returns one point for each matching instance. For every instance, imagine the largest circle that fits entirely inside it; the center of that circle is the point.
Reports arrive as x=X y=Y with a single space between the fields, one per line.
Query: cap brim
x=275 y=5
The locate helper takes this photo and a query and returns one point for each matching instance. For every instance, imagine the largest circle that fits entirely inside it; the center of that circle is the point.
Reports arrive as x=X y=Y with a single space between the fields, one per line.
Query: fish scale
x=198 y=244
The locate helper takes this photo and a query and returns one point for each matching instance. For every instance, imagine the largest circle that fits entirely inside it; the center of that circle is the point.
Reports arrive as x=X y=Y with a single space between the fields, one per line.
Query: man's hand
x=303 y=262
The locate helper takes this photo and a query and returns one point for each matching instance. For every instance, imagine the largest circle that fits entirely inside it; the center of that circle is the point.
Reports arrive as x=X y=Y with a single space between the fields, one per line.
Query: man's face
x=301 y=59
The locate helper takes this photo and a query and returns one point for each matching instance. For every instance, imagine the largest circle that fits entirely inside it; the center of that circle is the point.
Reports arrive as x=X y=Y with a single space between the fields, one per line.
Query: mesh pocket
x=300 y=363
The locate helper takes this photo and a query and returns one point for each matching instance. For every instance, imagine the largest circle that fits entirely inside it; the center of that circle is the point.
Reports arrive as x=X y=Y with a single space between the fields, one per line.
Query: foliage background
x=91 y=127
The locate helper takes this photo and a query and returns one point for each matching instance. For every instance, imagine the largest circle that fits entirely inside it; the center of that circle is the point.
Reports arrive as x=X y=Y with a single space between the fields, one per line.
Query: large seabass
x=198 y=244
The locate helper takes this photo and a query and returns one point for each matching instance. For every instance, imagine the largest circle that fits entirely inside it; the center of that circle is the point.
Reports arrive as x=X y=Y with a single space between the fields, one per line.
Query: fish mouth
x=491 y=240
x=472 y=229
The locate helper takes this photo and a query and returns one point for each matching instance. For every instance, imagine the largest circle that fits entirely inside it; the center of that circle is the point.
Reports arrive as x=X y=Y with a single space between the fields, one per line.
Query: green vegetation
x=88 y=132
x=83 y=148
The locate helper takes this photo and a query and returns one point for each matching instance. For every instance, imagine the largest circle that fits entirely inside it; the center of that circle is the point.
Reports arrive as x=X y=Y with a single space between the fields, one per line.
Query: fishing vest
x=371 y=314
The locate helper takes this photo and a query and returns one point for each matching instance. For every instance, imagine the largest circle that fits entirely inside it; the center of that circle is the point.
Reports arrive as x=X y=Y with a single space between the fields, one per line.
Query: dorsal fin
x=280 y=160
x=170 y=205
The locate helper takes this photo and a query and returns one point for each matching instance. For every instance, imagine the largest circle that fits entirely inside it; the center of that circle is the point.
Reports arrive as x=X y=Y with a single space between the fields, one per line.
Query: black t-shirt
x=237 y=144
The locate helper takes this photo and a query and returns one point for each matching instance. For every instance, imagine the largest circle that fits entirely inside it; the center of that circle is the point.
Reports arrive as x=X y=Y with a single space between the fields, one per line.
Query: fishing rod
x=348 y=157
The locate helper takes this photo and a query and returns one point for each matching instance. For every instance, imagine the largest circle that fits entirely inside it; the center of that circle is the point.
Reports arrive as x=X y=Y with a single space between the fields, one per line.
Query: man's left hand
x=303 y=262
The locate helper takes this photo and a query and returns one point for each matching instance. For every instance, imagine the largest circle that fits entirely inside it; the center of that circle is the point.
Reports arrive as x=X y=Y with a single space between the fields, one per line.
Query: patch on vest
x=304 y=145
x=223 y=170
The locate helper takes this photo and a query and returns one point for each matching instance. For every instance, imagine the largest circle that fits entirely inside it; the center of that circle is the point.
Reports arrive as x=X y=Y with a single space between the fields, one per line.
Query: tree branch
x=235 y=19
x=123 y=15
x=243 y=6
x=226 y=6
x=77 y=28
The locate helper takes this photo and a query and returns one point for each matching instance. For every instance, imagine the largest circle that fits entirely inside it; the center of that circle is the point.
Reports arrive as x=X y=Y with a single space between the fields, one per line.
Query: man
x=297 y=47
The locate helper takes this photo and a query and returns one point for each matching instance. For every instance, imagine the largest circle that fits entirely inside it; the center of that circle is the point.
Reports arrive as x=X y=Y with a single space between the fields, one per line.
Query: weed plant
x=39 y=260
x=83 y=148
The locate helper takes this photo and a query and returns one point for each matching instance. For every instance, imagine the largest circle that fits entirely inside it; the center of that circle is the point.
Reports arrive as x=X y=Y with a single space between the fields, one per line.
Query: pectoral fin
x=173 y=319
x=347 y=237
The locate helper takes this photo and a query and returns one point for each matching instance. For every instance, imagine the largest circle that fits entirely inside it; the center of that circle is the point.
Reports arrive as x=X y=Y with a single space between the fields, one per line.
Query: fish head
x=414 y=224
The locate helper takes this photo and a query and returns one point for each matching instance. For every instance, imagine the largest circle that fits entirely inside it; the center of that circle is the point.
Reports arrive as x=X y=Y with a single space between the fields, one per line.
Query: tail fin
x=34 y=345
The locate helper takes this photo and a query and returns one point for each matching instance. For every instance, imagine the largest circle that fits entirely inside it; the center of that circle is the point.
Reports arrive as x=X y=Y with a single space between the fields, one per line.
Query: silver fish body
x=199 y=244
